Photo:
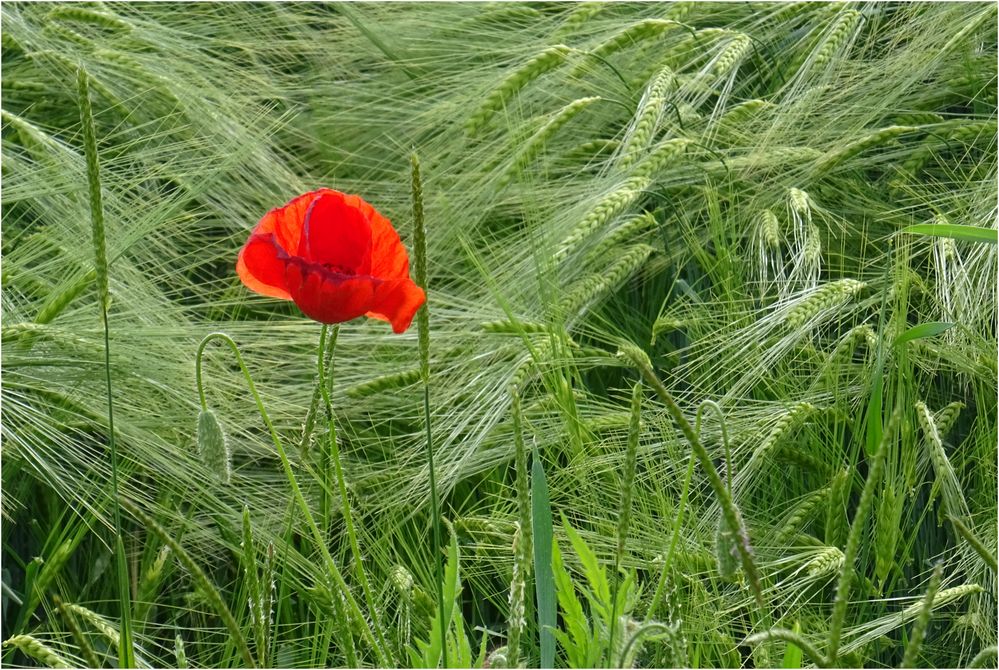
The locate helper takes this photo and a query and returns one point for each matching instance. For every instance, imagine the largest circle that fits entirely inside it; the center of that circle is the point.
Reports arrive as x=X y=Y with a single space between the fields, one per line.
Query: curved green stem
x=728 y=507
x=324 y=389
x=352 y=608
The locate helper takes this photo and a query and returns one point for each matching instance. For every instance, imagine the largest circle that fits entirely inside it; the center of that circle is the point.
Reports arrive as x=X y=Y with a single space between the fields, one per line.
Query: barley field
x=706 y=374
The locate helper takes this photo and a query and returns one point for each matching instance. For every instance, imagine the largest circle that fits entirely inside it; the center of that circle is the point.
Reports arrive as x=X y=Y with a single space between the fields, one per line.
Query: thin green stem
x=325 y=339
x=339 y=584
x=423 y=328
x=126 y=652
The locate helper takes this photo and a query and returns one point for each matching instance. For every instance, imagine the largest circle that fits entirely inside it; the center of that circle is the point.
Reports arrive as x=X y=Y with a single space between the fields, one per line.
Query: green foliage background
x=723 y=185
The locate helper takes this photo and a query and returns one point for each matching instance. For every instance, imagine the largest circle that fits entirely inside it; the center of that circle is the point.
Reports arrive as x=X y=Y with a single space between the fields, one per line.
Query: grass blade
x=544 y=577
x=954 y=231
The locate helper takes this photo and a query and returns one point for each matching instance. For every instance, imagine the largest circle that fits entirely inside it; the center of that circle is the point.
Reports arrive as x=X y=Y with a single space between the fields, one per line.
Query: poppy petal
x=261 y=266
x=397 y=301
x=328 y=297
x=336 y=235
x=288 y=221
x=388 y=256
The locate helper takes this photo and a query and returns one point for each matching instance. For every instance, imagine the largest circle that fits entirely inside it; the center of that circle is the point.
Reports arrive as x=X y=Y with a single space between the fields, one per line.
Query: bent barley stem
x=126 y=652
x=728 y=507
x=353 y=609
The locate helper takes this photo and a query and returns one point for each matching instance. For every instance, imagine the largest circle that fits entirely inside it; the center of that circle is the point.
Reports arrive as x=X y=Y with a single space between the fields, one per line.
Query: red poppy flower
x=335 y=256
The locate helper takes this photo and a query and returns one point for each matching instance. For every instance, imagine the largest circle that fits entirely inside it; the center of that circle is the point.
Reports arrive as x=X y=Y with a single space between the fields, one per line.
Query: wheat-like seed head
x=547 y=60
x=38 y=650
x=827 y=561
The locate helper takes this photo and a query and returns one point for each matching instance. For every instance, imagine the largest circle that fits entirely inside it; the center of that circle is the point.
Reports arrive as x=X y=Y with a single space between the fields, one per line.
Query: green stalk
x=352 y=608
x=355 y=548
x=423 y=330
x=126 y=652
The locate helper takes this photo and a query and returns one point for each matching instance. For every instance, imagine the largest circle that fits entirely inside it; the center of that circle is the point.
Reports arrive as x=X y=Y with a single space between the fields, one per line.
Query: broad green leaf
x=955 y=231
x=923 y=330
x=544 y=580
x=792 y=653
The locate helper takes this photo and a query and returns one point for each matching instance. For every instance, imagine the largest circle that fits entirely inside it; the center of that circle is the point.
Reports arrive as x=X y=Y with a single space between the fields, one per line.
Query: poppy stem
x=423 y=329
x=339 y=592
x=326 y=339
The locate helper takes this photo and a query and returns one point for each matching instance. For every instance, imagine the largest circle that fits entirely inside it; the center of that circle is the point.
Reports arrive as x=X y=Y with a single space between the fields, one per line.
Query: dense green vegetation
x=709 y=200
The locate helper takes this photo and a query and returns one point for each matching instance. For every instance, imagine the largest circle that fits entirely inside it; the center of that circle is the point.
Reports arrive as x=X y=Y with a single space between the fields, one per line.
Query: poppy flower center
x=337 y=269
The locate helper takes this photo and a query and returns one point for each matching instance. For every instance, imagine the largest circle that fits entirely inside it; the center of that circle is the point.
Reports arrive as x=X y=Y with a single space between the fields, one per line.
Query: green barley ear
x=213 y=449
x=179 y=652
x=984 y=552
x=637 y=32
x=547 y=60
x=537 y=142
x=869 y=141
x=610 y=206
x=86 y=649
x=646 y=120
x=38 y=650
x=954 y=501
x=836 y=518
x=983 y=657
x=385 y=382
x=150 y=583
x=732 y=54
x=826 y=561
x=799 y=516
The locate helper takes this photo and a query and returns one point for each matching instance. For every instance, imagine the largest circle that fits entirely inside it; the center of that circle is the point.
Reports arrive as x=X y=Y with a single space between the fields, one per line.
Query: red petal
x=396 y=301
x=388 y=257
x=261 y=268
x=328 y=297
x=288 y=222
x=336 y=235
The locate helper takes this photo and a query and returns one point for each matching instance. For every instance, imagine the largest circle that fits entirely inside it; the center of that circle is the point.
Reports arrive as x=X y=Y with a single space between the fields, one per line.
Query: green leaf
x=595 y=574
x=930 y=329
x=792 y=653
x=544 y=579
x=575 y=641
x=874 y=413
x=957 y=232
